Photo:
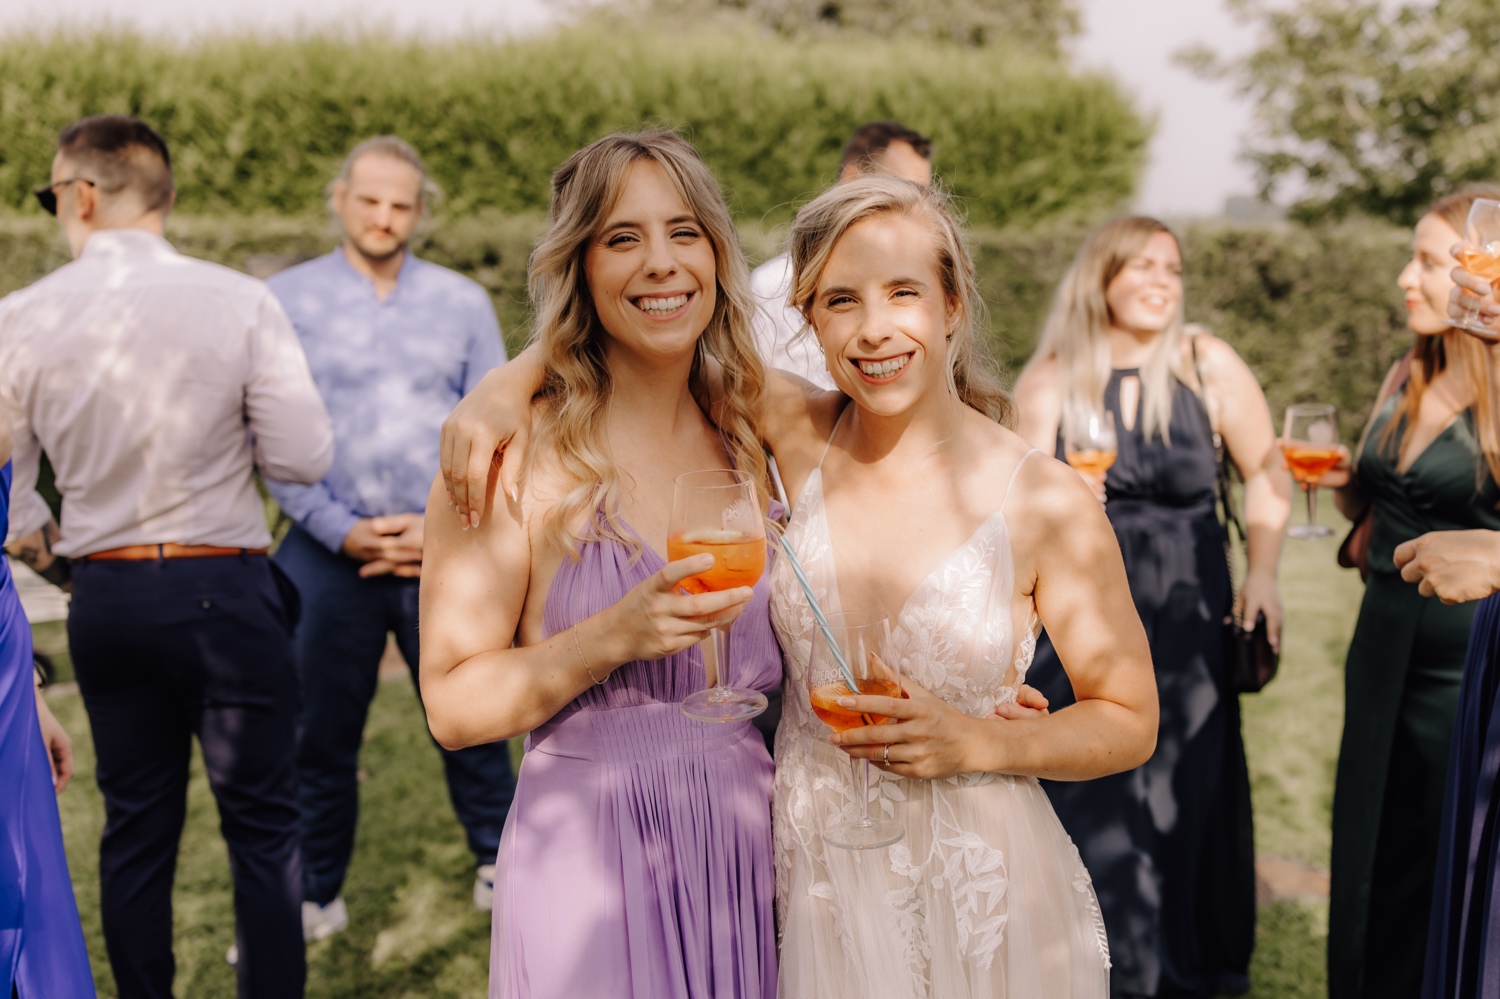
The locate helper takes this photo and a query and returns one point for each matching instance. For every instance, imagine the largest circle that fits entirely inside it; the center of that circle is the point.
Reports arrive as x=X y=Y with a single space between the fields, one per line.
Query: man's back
x=139 y=372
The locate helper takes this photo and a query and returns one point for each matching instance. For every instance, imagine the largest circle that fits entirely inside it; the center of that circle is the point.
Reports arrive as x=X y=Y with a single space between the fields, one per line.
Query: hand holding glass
x=717 y=511
x=1310 y=443
x=1480 y=256
x=863 y=639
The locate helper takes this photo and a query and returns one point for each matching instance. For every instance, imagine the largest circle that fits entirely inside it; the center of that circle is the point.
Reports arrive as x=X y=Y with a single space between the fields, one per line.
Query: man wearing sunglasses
x=158 y=385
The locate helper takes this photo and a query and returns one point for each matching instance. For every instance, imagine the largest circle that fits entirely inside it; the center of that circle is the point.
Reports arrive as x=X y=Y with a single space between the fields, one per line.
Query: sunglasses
x=46 y=195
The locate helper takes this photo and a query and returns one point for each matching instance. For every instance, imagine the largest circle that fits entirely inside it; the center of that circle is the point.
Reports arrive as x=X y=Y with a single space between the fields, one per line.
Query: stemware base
x=1480 y=330
x=863 y=834
x=723 y=704
x=1309 y=532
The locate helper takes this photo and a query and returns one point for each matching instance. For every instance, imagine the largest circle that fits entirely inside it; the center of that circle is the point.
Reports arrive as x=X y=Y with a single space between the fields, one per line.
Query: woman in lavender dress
x=636 y=860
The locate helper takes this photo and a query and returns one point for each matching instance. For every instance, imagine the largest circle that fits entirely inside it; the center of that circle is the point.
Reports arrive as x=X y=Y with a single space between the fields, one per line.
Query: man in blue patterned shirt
x=393 y=342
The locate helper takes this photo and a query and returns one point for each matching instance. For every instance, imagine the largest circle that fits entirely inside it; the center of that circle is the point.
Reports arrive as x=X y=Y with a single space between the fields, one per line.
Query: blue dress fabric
x=1463 y=942
x=42 y=954
x=1169 y=844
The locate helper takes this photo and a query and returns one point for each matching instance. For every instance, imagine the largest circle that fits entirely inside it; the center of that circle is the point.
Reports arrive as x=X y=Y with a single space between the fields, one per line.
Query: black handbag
x=1249 y=659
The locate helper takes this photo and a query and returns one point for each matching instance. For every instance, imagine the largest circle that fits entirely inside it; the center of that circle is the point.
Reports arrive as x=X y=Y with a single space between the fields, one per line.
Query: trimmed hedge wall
x=260 y=125
x=1315 y=312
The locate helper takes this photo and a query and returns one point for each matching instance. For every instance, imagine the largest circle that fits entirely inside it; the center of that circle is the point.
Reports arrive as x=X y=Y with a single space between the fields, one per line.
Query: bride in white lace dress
x=909 y=502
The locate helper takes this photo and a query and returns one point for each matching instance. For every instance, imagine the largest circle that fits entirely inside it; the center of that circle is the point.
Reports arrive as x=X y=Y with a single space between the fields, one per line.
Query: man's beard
x=378 y=257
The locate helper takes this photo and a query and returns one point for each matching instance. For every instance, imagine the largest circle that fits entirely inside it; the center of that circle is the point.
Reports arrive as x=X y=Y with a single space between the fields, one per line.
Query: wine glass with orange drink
x=1480 y=256
x=1310 y=443
x=718 y=512
x=862 y=639
x=1089 y=442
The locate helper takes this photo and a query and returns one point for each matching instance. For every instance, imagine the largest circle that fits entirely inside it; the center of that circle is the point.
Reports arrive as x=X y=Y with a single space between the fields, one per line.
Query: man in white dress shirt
x=157 y=385
x=879 y=147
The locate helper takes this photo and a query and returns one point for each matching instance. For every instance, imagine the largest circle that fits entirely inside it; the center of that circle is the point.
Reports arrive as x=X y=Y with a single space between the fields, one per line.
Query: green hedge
x=1315 y=312
x=259 y=125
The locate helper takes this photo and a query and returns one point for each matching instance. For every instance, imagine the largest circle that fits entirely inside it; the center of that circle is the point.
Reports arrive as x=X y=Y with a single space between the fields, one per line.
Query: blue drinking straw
x=812 y=601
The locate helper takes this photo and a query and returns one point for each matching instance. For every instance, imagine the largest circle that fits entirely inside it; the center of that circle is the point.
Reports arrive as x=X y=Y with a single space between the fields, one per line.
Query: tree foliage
x=259 y=125
x=1033 y=25
x=1370 y=106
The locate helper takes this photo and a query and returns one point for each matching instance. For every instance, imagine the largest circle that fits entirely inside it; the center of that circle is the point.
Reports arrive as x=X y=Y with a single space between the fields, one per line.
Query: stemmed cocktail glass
x=1089 y=442
x=717 y=511
x=1480 y=256
x=862 y=638
x=1310 y=443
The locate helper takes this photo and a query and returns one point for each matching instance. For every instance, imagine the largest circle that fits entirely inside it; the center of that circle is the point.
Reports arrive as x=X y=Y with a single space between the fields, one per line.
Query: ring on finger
x=885 y=755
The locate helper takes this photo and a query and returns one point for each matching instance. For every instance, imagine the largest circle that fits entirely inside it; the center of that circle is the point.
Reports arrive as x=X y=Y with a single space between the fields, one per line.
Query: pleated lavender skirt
x=636 y=862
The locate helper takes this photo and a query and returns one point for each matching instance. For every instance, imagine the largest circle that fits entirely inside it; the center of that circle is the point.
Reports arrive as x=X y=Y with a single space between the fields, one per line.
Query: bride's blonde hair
x=822 y=222
x=577 y=385
x=1077 y=329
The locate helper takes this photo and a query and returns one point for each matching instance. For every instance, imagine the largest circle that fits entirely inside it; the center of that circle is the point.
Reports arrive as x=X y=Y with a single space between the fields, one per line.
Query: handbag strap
x=1222 y=481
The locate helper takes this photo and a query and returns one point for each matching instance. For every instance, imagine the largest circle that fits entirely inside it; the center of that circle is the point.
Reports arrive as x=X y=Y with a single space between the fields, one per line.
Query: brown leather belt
x=151 y=553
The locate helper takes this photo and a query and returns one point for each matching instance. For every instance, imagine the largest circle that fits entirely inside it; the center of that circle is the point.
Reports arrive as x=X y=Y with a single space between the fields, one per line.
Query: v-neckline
x=1447 y=429
x=922 y=583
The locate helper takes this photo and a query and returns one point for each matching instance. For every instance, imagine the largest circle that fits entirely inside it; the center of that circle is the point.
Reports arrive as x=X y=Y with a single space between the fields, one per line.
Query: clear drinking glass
x=860 y=637
x=717 y=511
x=1310 y=442
x=1089 y=441
x=1480 y=256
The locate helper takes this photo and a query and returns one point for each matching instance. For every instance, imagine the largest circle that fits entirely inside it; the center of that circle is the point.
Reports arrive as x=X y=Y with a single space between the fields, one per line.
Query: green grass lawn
x=413 y=930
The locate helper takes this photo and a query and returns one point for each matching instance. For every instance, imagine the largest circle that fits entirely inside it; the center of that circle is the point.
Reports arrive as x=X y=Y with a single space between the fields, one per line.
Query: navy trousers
x=164 y=651
x=340 y=641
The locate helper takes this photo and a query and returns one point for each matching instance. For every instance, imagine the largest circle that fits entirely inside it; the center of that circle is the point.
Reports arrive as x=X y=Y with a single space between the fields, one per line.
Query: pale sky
x=1193 y=164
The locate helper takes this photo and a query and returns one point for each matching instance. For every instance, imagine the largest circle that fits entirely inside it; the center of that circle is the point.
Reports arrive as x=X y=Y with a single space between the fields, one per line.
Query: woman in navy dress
x=42 y=955
x=1168 y=844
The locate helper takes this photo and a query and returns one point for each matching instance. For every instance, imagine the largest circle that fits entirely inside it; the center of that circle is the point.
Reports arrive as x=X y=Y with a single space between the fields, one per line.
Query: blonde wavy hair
x=822 y=222
x=577 y=386
x=1076 y=332
x=1430 y=356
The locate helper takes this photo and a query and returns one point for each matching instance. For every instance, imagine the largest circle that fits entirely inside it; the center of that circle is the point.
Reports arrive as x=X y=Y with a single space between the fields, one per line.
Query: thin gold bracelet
x=581 y=658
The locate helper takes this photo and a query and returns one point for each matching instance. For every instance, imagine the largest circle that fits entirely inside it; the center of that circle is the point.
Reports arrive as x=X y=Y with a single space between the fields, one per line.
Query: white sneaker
x=319 y=922
x=484 y=887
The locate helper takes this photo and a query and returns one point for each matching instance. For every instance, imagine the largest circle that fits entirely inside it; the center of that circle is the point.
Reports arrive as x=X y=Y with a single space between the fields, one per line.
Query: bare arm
x=1039 y=402
x=1250 y=439
x=477 y=685
x=7 y=439
x=1083 y=598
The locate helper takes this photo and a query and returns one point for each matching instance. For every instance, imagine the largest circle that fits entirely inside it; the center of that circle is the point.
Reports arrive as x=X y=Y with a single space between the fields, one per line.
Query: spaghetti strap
x=836 y=424
x=1013 y=475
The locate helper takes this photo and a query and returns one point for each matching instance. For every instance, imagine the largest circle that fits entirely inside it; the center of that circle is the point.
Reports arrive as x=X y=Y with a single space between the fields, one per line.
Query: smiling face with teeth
x=651 y=269
x=1147 y=293
x=882 y=315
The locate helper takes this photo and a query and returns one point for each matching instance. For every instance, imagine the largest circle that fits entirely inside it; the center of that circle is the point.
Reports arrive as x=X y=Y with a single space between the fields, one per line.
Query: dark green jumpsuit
x=1400 y=697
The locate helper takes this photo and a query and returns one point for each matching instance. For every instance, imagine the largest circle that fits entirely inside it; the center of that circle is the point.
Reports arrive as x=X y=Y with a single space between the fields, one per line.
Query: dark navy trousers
x=164 y=651
x=340 y=640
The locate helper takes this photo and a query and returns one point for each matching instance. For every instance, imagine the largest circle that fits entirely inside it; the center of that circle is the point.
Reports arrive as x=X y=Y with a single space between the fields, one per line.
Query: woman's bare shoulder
x=1036 y=379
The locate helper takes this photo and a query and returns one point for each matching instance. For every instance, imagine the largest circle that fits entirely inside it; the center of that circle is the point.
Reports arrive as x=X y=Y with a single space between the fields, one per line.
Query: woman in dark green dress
x=1428 y=462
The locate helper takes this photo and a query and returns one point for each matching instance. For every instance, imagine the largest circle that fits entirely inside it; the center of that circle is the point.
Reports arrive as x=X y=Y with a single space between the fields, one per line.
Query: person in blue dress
x=1463 y=939
x=42 y=954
